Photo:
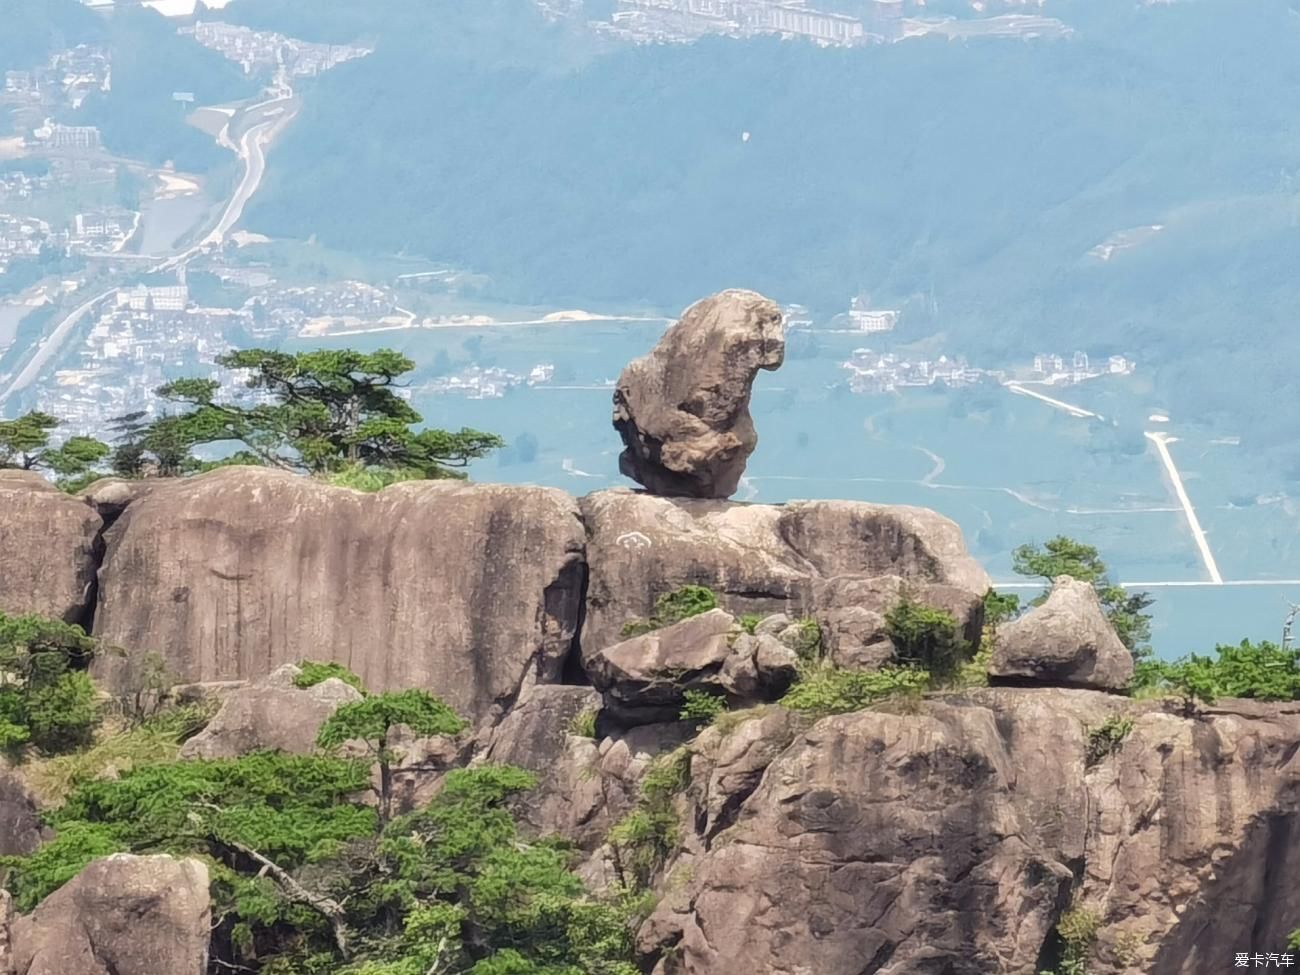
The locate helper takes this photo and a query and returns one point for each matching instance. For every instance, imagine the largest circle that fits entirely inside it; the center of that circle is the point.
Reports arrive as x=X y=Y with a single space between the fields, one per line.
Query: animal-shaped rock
x=683 y=410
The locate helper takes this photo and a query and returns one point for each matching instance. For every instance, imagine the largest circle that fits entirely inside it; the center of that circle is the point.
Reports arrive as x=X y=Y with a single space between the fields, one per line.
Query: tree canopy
x=46 y=698
x=323 y=412
x=26 y=443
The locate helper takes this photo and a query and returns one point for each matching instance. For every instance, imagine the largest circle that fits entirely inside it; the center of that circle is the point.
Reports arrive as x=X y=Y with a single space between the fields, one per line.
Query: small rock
x=1066 y=641
x=272 y=713
x=122 y=915
x=645 y=679
x=20 y=819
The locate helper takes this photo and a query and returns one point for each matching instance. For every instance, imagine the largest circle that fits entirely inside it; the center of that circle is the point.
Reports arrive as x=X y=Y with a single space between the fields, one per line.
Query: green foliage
x=25 y=444
x=293 y=809
x=1062 y=556
x=975 y=672
x=646 y=837
x=162 y=447
x=823 y=689
x=372 y=721
x=749 y=622
x=314 y=672
x=1077 y=930
x=1262 y=671
x=46 y=698
x=1000 y=607
x=583 y=723
x=702 y=706
x=1293 y=941
x=472 y=897
x=1106 y=738
x=807 y=643
x=333 y=412
x=673 y=607
x=371 y=479
x=925 y=638
x=153 y=740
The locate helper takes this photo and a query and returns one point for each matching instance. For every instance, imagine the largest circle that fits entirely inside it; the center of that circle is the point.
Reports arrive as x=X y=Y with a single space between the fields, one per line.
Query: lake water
x=1008 y=469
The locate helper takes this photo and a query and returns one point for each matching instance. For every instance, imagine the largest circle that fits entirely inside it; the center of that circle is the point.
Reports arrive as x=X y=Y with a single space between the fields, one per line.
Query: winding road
x=275 y=114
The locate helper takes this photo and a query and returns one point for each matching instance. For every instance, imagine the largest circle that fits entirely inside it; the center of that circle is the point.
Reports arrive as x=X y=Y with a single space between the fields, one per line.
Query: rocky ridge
x=942 y=836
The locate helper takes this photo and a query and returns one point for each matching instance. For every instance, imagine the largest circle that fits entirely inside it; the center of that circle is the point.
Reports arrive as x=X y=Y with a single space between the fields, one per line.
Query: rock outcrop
x=47 y=549
x=1067 y=641
x=471 y=591
x=805 y=557
x=20 y=818
x=271 y=714
x=952 y=840
x=123 y=915
x=683 y=410
x=645 y=679
x=541 y=735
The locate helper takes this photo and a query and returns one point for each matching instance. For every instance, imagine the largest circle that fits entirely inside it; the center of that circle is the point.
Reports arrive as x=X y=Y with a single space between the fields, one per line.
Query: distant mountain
x=996 y=190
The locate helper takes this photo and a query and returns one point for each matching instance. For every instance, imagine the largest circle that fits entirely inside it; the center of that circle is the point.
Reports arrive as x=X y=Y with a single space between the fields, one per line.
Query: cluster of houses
x=255 y=50
x=491 y=382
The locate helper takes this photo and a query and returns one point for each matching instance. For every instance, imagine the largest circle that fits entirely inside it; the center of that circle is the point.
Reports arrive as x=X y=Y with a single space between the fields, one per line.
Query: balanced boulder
x=1066 y=641
x=683 y=410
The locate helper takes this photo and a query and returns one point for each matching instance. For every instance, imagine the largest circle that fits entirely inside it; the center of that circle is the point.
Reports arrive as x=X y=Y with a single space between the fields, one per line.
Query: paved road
x=1162 y=442
x=252 y=152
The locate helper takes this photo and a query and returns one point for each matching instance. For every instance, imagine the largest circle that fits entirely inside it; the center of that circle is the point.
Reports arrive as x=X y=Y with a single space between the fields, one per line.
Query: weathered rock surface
x=683 y=410
x=48 y=545
x=1066 y=641
x=122 y=915
x=471 y=591
x=952 y=840
x=538 y=736
x=645 y=678
x=805 y=557
x=20 y=818
x=270 y=714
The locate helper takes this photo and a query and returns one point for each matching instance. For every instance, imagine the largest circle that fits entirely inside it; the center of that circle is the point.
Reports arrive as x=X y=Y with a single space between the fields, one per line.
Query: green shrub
x=749 y=622
x=291 y=808
x=807 y=643
x=372 y=721
x=1262 y=671
x=46 y=698
x=1077 y=930
x=314 y=672
x=925 y=637
x=823 y=689
x=673 y=607
x=583 y=724
x=1106 y=738
x=1000 y=607
x=702 y=706
x=371 y=479
x=645 y=838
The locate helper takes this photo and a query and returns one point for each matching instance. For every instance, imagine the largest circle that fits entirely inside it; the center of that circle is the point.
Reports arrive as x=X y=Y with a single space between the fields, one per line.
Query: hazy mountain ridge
x=974 y=177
